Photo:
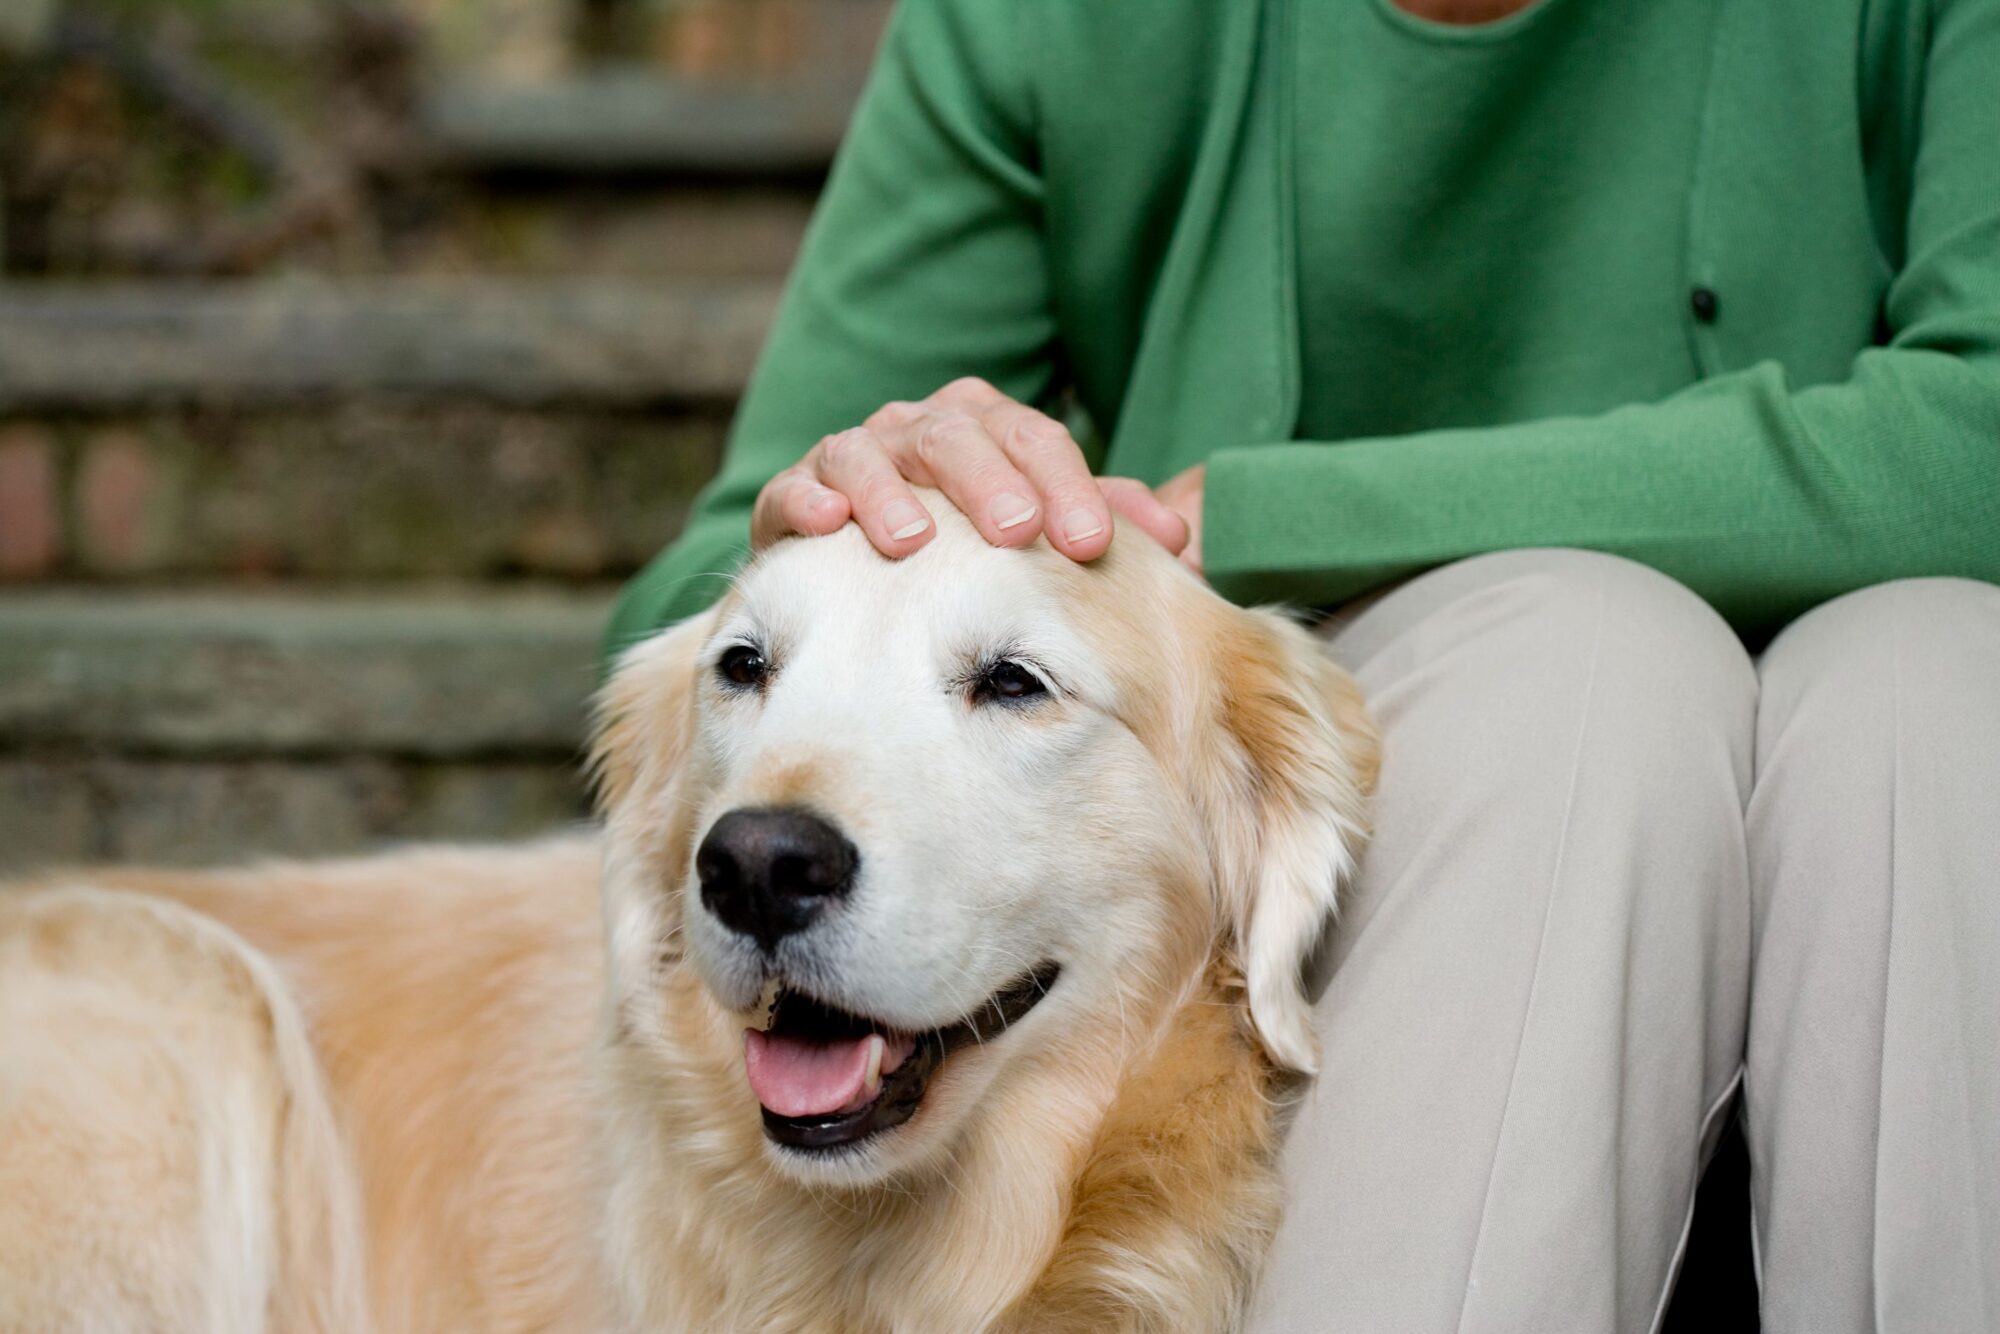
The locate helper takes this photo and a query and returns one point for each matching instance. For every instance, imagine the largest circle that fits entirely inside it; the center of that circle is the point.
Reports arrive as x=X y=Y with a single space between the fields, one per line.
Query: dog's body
x=443 y=1090
x=453 y=998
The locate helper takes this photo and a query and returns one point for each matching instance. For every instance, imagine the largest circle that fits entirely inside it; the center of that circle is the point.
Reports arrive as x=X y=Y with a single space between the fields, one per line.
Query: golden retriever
x=937 y=968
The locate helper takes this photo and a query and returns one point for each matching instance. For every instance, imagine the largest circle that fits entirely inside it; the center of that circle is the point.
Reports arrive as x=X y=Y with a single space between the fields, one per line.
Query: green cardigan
x=1096 y=199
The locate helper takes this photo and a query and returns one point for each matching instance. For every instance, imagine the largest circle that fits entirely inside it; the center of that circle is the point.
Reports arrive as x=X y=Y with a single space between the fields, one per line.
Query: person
x=1598 y=342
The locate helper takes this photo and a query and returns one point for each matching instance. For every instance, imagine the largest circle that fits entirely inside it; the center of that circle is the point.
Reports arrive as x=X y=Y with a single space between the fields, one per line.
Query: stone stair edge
x=638 y=121
x=434 y=674
x=104 y=346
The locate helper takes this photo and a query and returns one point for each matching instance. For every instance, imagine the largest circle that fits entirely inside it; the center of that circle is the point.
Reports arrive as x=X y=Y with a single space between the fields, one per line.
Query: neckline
x=1463 y=34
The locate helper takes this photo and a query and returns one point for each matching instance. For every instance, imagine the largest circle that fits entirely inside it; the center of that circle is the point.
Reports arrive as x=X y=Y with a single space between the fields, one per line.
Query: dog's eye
x=742 y=665
x=1008 y=680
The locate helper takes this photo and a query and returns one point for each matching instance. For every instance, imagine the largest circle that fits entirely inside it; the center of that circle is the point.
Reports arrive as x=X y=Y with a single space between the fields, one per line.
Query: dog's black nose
x=767 y=872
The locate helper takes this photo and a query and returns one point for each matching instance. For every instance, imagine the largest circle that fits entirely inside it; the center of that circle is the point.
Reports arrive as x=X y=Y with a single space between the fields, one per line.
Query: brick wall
x=348 y=491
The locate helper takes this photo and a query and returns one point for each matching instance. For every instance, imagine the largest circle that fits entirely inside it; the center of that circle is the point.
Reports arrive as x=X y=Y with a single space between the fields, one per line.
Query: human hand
x=1182 y=495
x=1015 y=472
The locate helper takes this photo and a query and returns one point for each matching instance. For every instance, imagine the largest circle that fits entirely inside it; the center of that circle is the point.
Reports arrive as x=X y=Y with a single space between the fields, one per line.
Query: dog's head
x=931 y=830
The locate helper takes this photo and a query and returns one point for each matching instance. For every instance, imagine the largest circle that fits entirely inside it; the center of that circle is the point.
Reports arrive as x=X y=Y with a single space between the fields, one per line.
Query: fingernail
x=1010 y=511
x=823 y=502
x=904 y=519
x=1081 y=524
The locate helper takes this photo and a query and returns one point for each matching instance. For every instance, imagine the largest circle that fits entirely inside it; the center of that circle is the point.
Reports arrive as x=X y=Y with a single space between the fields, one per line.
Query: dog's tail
x=169 y=1155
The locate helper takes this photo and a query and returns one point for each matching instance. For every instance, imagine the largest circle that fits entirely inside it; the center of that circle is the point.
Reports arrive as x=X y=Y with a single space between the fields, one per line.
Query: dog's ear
x=1287 y=790
x=644 y=715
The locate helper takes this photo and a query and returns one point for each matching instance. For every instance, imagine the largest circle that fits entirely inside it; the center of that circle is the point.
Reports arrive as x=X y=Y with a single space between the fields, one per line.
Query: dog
x=936 y=966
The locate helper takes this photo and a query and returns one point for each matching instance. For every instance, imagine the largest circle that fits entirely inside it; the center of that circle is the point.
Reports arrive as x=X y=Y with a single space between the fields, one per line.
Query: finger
x=811 y=508
x=855 y=464
x=1078 y=519
x=967 y=394
x=1134 y=502
x=895 y=425
x=794 y=501
x=1191 y=557
x=954 y=450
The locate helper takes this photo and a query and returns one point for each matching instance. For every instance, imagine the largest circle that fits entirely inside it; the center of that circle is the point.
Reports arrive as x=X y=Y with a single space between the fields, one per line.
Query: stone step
x=634 y=121
x=209 y=726
x=73 y=809
x=371 y=489
x=69 y=347
x=443 y=675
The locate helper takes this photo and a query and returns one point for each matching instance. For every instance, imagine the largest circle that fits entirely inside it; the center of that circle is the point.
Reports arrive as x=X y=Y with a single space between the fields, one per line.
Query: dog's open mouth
x=827 y=1078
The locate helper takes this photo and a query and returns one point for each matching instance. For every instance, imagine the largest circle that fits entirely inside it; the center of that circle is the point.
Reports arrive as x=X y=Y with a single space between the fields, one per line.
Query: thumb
x=1133 y=501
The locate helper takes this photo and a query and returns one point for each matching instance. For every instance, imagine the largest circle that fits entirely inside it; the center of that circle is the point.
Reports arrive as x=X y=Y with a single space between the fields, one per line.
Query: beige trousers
x=1623 y=872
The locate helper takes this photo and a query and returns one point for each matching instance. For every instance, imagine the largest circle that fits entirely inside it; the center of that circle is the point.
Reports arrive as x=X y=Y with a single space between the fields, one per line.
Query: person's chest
x=1577 y=196
x=1491 y=219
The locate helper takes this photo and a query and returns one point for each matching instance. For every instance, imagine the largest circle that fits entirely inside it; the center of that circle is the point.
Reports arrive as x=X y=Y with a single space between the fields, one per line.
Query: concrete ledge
x=70 y=346
x=436 y=676
x=75 y=810
x=362 y=490
x=636 y=121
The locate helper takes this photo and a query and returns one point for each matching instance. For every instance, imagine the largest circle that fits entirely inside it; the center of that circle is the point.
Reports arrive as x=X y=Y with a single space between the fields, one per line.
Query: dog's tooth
x=872 y=1085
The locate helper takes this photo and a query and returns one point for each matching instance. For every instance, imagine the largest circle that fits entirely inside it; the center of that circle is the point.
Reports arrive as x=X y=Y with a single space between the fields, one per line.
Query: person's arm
x=1763 y=498
x=923 y=264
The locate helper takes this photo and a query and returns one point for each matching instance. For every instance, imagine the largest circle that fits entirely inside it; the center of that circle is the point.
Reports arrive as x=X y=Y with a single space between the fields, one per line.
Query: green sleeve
x=924 y=262
x=1764 y=498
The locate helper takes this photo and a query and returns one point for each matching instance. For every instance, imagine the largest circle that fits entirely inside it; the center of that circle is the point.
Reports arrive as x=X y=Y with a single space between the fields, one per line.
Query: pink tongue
x=795 y=1078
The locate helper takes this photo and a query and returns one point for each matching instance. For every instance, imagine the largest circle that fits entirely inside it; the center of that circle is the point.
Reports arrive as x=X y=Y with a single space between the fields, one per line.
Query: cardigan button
x=1705 y=304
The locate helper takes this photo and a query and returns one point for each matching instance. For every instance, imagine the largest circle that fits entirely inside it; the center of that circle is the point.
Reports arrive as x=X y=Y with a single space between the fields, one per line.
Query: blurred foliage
x=218 y=137
x=139 y=9
x=141 y=137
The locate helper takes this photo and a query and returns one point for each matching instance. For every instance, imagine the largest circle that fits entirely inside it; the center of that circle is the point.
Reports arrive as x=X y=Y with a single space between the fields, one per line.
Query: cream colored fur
x=169 y=1158
x=407 y=1093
